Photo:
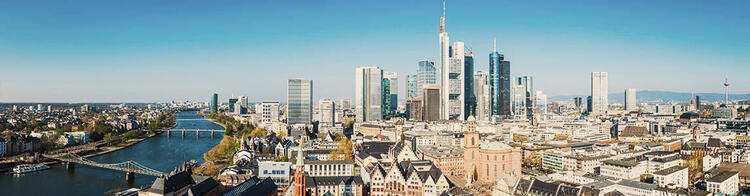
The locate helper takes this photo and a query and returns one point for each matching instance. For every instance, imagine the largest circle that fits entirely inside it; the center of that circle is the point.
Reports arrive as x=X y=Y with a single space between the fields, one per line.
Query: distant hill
x=654 y=96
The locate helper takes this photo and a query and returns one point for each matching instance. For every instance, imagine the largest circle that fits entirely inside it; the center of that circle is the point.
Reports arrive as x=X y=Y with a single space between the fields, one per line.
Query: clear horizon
x=145 y=51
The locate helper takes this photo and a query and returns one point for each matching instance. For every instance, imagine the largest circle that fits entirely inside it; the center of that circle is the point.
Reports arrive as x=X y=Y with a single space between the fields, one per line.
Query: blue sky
x=146 y=50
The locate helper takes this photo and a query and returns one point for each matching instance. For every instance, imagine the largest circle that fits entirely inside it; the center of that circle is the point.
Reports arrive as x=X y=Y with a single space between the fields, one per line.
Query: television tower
x=726 y=90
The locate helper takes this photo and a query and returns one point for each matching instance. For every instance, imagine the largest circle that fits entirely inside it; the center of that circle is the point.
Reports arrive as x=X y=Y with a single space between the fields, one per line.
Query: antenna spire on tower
x=494 y=44
x=443 y=8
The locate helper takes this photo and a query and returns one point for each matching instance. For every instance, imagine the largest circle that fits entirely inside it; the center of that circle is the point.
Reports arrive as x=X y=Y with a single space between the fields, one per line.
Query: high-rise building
x=578 y=103
x=242 y=100
x=524 y=97
x=414 y=108
x=327 y=111
x=482 y=95
x=500 y=85
x=630 y=100
x=431 y=103
x=599 y=101
x=214 y=103
x=470 y=101
x=452 y=84
x=426 y=74
x=386 y=98
x=411 y=86
x=391 y=107
x=540 y=100
x=368 y=94
x=345 y=104
x=589 y=104
x=299 y=101
x=232 y=101
x=698 y=103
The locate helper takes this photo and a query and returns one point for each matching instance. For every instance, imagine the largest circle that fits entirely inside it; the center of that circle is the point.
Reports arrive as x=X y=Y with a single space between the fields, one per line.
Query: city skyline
x=117 y=57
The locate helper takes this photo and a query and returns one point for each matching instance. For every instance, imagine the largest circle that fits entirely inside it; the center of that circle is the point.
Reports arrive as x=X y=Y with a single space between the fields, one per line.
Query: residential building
x=723 y=183
x=599 y=99
x=368 y=93
x=631 y=170
x=408 y=178
x=268 y=111
x=673 y=177
x=334 y=185
x=299 y=101
x=449 y=159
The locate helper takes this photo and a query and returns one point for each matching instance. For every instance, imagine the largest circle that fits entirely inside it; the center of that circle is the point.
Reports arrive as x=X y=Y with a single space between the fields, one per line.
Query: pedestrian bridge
x=130 y=166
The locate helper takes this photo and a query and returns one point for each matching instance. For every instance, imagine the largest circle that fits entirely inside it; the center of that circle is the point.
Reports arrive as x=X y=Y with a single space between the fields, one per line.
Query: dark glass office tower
x=214 y=103
x=500 y=100
x=470 y=101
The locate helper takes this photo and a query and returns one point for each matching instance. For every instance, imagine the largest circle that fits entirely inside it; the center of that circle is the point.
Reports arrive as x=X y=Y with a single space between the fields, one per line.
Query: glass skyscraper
x=470 y=101
x=500 y=85
x=411 y=86
x=426 y=74
x=368 y=94
x=299 y=101
x=214 y=103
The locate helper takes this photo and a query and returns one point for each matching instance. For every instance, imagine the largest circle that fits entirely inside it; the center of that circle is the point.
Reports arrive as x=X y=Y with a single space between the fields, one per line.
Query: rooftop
x=723 y=176
x=670 y=170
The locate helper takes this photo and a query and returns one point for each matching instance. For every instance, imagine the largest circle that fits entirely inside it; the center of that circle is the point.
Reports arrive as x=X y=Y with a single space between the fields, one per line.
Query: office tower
x=232 y=101
x=698 y=102
x=470 y=101
x=414 y=108
x=368 y=94
x=392 y=96
x=49 y=108
x=426 y=74
x=386 y=98
x=238 y=109
x=630 y=100
x=519 y=100
x=269 y=111
x=482 y=95
x=15 y=108
x=431 y=103
x=589 y=105
x=214 y=103
x=599 y=101
x=526 y=93
x=500 y=85
x=327 y=111
x=242 y=100
x=577 y=101
x=541 y=103
x=411 y=86
x=345 y=104
x=299 y=101
x=452 y=84
x=38 y=107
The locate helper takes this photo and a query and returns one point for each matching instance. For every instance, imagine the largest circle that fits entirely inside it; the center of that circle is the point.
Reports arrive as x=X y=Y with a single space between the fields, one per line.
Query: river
x=162 y=152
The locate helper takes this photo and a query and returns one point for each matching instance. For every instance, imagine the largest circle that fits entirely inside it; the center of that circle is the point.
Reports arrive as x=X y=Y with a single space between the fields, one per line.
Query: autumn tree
x=694 y=163
x=343 y=152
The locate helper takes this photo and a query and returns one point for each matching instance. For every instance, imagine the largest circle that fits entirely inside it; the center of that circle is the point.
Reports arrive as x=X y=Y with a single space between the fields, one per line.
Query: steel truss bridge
x=197 y=131
x=129 y=166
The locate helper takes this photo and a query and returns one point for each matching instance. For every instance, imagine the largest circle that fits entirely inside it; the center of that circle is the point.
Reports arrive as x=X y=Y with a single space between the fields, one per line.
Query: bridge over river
x=130 y=167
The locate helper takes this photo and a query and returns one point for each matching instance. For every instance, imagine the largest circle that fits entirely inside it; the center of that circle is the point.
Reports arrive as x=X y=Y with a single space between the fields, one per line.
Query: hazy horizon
x=144 y=51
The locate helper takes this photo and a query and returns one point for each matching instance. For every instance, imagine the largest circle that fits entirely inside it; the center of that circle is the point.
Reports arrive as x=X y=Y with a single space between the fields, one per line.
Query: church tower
x=471 y=150
x=299 y=174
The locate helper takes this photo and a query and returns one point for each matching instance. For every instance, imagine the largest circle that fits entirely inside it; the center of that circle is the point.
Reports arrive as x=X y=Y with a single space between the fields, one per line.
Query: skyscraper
x=499 y=84
x=482 y=95
x=452 y=84
x=524 y=97
x=232 y=101
x=327 y=111
x=386 y=98
x=599 y=101
x=444 y=55
x=470 y=101
x=589 y=105
x=214 y=103
x=578 y=102
x=299 y=101
x=431 y=103
x=411 y=86
x=392 y=106
x=368 y=93
x=426 y=74
x=630 y=100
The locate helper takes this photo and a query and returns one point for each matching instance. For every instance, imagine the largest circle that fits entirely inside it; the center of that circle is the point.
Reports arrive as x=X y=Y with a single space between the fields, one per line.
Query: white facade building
x=269 y=112
x=368 y=94
x=599 y=99
x=630 y=100
x=327 y=111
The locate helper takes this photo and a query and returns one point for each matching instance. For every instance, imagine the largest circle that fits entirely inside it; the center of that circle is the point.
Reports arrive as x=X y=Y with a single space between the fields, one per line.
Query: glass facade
x=299 y=100
x=470 y=101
